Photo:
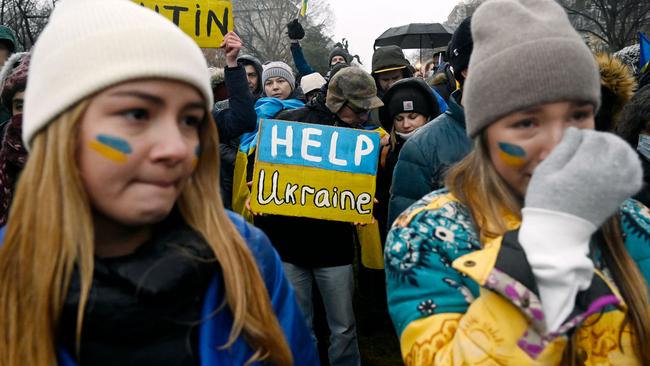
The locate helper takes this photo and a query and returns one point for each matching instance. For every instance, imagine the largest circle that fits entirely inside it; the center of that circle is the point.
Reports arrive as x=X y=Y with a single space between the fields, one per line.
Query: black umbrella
x=416 y=35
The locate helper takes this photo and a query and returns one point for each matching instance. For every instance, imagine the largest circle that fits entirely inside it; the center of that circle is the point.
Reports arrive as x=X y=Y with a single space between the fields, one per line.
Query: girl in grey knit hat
x=533 y=253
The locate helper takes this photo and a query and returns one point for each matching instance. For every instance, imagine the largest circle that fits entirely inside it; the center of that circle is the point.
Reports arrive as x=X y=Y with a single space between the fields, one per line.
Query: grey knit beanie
x=278 y=69
x=526 y=53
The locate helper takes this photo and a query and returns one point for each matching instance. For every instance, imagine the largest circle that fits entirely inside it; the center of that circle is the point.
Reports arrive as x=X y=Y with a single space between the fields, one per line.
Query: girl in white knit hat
x=533 y=254
x=118 y=249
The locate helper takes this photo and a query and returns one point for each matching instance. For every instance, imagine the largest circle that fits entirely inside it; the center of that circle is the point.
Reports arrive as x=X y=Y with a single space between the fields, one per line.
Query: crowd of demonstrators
x=118 y=249
x=533 y=252
x=427 y=155
x=503 y=198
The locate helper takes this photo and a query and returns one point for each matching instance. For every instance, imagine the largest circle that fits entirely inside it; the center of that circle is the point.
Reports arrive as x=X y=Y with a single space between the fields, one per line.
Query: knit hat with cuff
x=279 y=69
x=510 y=68
x=338 y=51
x=90 y=45
x=405 y=96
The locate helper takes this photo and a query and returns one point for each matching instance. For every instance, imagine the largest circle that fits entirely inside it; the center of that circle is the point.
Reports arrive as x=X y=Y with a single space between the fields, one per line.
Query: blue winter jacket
x=214 y=332
x=427 y=155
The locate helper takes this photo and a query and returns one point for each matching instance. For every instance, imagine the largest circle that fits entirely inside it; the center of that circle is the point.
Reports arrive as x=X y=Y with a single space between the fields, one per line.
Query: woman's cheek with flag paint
x=111 y=147
x=512 y=155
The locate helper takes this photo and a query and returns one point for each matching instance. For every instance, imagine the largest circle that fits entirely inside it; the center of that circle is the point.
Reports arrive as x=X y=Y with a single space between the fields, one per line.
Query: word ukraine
x=315 y=171
x=206 y=21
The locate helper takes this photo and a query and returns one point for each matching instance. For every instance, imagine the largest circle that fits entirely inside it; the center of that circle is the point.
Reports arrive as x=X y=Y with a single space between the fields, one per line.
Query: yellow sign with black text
x=206 y=21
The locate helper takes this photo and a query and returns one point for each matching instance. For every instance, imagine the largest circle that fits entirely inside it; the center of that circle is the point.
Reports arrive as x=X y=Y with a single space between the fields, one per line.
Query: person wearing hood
x=13 y=154
x=427 y=155
x=409 y=104
x=533 y=253
x=7 y=43
x=634 y=126
x=388 y=66
x=322 y=250
x=7 y=48
x=617 y=85
x=296 y=32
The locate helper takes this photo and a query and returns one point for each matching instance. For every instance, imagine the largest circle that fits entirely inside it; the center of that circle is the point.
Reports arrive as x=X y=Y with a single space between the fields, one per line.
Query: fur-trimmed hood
x=617 y=86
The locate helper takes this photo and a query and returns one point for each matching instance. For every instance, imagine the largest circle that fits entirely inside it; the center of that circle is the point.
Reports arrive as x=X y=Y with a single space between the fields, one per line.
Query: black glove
x=295 y=30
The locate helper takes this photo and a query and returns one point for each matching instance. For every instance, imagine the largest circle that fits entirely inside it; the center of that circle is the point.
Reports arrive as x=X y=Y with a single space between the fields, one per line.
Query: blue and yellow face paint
x=111 y=147
x=512 y=155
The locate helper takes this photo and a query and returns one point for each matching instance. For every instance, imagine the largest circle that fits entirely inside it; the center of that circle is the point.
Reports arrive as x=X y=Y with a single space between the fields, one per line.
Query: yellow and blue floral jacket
x=457 y=299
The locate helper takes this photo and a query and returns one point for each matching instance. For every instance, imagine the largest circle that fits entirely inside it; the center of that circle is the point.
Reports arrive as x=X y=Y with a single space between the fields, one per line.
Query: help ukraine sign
x=206 y=21
x=315 y=171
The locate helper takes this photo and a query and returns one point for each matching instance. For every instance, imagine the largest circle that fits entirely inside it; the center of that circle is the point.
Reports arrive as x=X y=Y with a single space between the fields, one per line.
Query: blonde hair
x=476 y=183
x=51 y=232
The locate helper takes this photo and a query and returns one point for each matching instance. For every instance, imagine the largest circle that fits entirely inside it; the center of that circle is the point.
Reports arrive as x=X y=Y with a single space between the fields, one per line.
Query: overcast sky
x=361 y=21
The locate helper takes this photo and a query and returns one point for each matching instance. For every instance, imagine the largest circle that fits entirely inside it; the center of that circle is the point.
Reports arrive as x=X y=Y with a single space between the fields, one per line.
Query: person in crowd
x=13 y=155
x=118 y=250
x=634 y=127
x=311 y=85
x=7 y=44
x=532 y=254
x=617 y=88
x=280 y=93
x=443 y=81
x=409 y=104
x=321 y=250
x=218 y=83
x=7 y=48
x=388 y=66
x=427 y=155
x=236 y=114
x=296 y=32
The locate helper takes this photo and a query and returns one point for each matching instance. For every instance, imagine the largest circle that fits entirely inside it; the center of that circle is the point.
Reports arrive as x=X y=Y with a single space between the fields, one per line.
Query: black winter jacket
x=234 y=117
x=427 y=155
x=303 y=241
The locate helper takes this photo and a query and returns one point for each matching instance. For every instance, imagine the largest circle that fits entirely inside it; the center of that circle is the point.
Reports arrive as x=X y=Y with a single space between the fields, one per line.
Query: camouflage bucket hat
x=354 y=86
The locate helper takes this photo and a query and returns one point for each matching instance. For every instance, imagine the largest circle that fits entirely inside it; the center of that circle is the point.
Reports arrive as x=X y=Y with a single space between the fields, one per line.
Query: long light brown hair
x=50 y=231
x=476 y=183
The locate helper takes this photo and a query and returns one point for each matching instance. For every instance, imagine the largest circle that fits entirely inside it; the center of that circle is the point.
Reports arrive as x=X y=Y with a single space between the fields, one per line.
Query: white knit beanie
x=89 y=45
x=278 y=69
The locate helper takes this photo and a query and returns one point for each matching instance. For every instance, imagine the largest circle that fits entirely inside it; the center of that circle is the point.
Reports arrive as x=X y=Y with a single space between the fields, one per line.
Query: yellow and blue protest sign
x=206 y=21
x=315 y=171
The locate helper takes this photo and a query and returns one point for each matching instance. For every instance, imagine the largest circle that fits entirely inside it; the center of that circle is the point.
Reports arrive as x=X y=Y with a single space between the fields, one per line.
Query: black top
x=144 y=308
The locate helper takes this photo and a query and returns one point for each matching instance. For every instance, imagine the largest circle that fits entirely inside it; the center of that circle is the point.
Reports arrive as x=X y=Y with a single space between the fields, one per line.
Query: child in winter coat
x=118 y=249
x=533 y=254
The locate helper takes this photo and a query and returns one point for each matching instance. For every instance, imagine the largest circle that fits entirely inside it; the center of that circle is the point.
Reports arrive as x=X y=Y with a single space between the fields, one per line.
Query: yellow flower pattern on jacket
x=452 y=306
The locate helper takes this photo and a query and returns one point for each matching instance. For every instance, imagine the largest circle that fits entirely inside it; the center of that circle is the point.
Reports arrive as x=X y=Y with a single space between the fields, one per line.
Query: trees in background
x=26 y=18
